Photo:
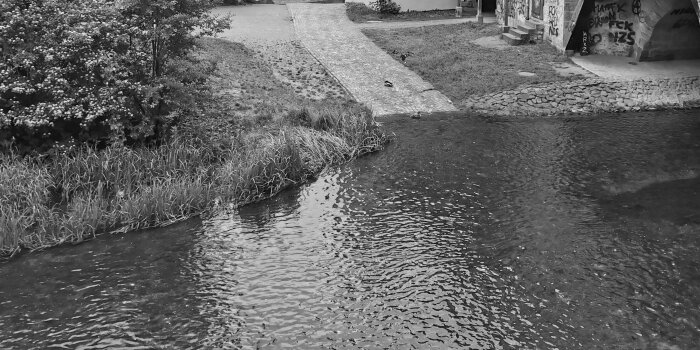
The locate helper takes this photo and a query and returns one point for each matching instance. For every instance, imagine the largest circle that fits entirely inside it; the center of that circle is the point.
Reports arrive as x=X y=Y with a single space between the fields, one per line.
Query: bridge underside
x=643 y=29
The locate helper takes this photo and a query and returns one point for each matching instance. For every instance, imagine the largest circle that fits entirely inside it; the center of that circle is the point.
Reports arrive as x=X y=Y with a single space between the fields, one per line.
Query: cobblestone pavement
x=590 y=96
x=414 y=24
x=269 y=31
x=360 y=65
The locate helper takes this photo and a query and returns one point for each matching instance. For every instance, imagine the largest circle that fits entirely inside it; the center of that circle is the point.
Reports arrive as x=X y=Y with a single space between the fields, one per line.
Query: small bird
x=388 y=83
x=403 y=57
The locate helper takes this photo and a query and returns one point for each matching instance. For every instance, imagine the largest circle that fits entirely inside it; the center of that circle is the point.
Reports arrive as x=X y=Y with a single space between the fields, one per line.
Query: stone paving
x=590 y=96
x=269 y=31
x=620 y=68
x=252 y=24
x=361 y=66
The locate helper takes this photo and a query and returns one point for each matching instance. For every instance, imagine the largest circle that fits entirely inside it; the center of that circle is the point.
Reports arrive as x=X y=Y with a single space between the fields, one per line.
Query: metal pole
x=479 y=15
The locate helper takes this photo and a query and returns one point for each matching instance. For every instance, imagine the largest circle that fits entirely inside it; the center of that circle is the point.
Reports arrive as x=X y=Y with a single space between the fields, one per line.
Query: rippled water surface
x=464 y=234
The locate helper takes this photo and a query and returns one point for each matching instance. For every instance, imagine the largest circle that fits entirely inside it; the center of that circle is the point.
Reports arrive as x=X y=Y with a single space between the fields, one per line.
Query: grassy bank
x=361 y=13
x=446 y=57
x=255 y=137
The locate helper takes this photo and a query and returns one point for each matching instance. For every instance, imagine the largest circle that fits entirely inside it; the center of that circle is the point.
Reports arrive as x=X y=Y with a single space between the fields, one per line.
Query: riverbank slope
x=257 y=135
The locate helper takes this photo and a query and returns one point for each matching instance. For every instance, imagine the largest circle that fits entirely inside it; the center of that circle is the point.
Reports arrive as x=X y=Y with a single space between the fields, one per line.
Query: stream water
x=465 y=233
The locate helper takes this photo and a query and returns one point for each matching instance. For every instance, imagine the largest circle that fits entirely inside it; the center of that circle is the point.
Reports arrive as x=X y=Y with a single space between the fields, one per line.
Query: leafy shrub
x=358 y=12
x=241 y=2
x=385 y=7
x=78 y=71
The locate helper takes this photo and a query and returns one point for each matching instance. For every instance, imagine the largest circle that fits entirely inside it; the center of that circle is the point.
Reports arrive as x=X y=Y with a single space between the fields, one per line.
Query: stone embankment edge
x=593 y=95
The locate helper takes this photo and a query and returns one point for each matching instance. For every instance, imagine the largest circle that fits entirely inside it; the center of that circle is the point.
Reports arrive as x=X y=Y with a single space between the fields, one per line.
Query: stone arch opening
x=675 y=36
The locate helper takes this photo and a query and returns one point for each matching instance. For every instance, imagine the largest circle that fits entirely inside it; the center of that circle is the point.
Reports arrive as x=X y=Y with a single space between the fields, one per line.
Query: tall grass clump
x=25 y=191
x=71 y=196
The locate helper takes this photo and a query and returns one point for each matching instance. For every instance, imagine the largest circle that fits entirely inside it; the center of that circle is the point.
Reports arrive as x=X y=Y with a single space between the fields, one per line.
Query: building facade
x=642 y=29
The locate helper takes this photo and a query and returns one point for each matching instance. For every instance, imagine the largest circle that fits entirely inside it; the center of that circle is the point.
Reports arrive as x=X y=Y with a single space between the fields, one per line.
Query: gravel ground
x=268 y=30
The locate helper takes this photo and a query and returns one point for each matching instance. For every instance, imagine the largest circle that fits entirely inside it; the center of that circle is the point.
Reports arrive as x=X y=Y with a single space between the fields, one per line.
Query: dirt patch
x=292 y=64
x=568 y=69
x=492 y=42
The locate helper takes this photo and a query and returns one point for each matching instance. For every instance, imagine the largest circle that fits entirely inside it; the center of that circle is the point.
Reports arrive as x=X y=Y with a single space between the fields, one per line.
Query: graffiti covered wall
x=500 y=11
x=644 y=29
x=612 y=27
x=523 y=11
x=554 y=17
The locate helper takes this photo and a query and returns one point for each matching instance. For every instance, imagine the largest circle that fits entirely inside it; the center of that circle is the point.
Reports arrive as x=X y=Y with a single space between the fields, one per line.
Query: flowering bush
x=96 y=69
x=385 y=7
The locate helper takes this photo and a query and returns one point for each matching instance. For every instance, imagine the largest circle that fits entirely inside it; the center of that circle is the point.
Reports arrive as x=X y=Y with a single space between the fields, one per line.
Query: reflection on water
x=463 y=234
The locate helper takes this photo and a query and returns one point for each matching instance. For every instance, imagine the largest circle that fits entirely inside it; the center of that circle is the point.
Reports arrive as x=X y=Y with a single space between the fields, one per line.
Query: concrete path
x=360 y=65
x=625 y=68
x=414 y=24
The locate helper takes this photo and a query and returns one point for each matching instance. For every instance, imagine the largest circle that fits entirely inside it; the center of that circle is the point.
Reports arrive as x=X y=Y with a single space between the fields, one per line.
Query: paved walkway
x=257 y=23
x=360 y=65
x=625 y=68
x=268 y=31
x=414 y=24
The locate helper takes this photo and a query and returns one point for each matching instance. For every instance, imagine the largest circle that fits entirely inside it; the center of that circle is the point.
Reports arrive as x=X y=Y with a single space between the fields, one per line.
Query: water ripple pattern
x=464 y=234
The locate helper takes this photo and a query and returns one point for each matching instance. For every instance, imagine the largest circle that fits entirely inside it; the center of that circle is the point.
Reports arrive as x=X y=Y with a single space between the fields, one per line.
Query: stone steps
x=530 y=28
x=520 y=34
x=512 y=39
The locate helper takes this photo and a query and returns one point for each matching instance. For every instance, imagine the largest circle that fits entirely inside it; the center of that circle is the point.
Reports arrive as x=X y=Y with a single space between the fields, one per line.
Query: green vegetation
x=98 y=71
x=385 y=7
x=360 y=13
x=239 y=135
x=446 y=57
x=70 y=197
